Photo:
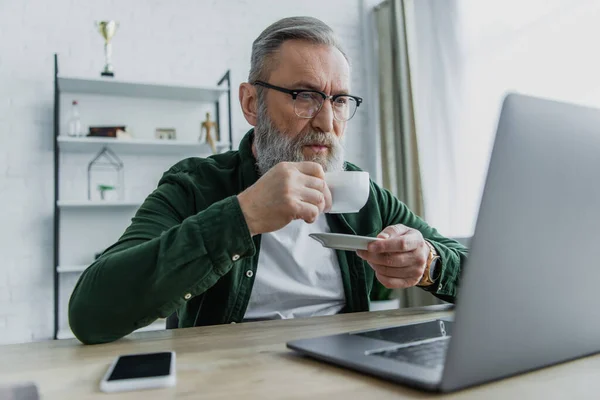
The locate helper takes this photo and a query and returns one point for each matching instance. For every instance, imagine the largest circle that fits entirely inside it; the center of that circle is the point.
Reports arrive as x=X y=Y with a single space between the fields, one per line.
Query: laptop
x=529 y=290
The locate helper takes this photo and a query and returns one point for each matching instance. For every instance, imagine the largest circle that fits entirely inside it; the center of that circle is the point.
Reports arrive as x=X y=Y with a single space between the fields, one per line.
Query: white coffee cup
x=349 y=190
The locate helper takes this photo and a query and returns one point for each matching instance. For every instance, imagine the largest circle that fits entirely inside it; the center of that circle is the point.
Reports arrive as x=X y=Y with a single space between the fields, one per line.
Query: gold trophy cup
x=107 y=29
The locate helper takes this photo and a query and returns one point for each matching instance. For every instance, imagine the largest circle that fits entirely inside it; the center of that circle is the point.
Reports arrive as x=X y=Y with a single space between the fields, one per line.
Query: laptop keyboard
x=429 y=354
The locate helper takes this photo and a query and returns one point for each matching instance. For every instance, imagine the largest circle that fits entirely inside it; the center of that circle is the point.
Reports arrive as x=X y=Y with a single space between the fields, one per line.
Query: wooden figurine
x=207 y=126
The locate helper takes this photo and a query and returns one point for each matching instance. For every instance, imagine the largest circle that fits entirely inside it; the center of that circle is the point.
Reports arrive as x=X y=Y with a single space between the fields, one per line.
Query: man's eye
x=341 y=100
x=305 y=95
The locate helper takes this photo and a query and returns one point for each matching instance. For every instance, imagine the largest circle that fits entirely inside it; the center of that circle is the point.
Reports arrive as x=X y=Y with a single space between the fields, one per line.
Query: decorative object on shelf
x=123 y=135
x=103 y=189
x=205 y=132
x=107 y=29
x=105 y=173
x=165 y=133
x=75 y=121
x=106 y=131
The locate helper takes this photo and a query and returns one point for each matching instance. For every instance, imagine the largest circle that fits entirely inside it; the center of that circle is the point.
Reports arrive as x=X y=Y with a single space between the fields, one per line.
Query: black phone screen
x=141 y=366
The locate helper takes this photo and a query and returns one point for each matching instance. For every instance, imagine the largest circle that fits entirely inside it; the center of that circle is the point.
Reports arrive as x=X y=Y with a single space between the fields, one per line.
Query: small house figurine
x=105 y=174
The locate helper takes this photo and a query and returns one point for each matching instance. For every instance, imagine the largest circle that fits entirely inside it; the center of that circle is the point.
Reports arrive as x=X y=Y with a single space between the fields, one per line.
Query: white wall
x=184 y=41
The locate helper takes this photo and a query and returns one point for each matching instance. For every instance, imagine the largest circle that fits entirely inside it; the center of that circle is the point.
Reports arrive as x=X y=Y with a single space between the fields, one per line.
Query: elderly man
x=225 y=239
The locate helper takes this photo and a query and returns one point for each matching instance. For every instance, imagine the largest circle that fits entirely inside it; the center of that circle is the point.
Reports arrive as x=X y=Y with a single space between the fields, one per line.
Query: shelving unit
x=70 y=214
x=97 y=204
x=134 y=146
x=70 y=268
x=141 y=90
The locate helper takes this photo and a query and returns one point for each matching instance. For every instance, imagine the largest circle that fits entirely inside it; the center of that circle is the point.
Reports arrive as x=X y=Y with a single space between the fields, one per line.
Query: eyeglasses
x=308 y=103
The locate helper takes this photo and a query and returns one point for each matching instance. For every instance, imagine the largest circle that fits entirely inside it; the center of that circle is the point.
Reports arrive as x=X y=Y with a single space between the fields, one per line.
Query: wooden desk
x=250 y=361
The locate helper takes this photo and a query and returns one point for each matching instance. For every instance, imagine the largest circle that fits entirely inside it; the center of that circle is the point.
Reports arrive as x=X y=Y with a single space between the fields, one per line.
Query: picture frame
x=165 y=134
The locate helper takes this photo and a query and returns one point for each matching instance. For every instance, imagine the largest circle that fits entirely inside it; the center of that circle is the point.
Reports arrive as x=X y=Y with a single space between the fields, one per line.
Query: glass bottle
x=75 y=121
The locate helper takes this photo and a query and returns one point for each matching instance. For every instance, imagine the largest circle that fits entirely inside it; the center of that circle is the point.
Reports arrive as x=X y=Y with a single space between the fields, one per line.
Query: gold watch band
x=433 y=256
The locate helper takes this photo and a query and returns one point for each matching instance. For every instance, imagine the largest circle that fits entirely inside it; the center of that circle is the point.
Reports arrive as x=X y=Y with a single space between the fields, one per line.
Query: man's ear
x=249 y=102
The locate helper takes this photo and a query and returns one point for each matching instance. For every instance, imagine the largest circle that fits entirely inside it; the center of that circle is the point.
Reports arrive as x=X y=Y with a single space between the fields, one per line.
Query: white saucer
x=340 y=241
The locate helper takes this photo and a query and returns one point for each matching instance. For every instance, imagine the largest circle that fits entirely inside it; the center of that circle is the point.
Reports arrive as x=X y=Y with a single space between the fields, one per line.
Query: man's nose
x=323 y=121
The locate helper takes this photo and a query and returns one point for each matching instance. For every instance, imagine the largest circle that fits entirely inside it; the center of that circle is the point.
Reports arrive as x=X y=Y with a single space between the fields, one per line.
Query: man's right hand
x=288 y=191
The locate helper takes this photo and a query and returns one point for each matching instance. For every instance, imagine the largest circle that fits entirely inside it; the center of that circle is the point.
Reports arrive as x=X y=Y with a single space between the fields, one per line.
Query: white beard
x=273 y=146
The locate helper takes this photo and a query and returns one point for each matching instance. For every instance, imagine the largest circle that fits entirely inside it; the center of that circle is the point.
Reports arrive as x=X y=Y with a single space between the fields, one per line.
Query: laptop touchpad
x=411 y=333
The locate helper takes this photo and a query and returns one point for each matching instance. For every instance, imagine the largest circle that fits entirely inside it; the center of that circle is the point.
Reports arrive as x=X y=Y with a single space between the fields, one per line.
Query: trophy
x=107 y=29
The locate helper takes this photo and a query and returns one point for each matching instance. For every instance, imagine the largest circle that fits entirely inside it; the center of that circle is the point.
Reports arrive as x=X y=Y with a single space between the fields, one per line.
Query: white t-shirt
x=296 y=276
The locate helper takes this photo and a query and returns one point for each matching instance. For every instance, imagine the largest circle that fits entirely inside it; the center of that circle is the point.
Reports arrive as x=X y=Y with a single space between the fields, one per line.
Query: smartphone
x=140 y=371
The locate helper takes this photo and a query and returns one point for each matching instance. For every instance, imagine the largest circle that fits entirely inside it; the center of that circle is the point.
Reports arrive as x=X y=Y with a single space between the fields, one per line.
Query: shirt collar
x=248 y=161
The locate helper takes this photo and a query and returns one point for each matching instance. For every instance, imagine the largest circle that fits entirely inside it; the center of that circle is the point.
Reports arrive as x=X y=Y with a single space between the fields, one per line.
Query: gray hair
x=268 y=42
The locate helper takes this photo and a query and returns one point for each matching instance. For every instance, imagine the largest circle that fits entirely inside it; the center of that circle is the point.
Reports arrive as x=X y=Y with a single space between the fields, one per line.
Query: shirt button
x=187 y=296
x=235 y=257
x=249 y=273
x=440 y=287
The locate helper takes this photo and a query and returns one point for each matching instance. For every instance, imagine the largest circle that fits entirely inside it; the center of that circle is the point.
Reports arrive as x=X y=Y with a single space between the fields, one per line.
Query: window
x=546 y=48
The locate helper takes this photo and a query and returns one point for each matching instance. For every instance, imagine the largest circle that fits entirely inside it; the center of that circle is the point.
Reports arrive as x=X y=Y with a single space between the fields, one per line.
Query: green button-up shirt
x=188 y=249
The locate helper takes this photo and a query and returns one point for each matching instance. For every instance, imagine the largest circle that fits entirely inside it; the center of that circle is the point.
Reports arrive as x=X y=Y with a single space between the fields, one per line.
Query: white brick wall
x=182 y=41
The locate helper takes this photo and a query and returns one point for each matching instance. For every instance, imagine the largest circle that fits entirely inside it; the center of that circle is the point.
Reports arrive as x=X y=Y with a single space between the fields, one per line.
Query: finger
x=411 y=272
x=313 y=182
x=410 y=241
x=392 y=259
x=395 y=283
x=311 y=168
x=307 y=212
x=313 y=196
x=321 y=185
x=393 y=230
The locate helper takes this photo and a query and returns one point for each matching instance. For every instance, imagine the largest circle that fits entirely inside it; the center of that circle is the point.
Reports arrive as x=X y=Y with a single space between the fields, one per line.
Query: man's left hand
x=399 y=260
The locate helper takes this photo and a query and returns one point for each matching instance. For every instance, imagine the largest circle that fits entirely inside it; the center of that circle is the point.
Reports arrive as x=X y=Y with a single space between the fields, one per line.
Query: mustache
x=317 y=138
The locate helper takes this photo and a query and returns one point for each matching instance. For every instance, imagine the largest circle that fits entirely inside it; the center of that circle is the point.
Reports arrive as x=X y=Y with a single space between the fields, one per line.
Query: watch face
x=434 y=270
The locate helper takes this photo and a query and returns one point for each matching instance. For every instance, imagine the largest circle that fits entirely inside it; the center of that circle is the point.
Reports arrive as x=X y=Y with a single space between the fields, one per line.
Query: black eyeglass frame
x=295 y=92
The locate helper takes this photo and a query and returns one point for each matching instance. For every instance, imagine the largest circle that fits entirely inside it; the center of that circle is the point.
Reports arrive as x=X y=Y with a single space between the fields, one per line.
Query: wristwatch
x=432 y=269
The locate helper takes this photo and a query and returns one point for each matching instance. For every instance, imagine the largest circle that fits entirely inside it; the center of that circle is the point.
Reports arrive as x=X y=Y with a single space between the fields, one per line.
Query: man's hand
x=288 y=191
x=400 y=259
